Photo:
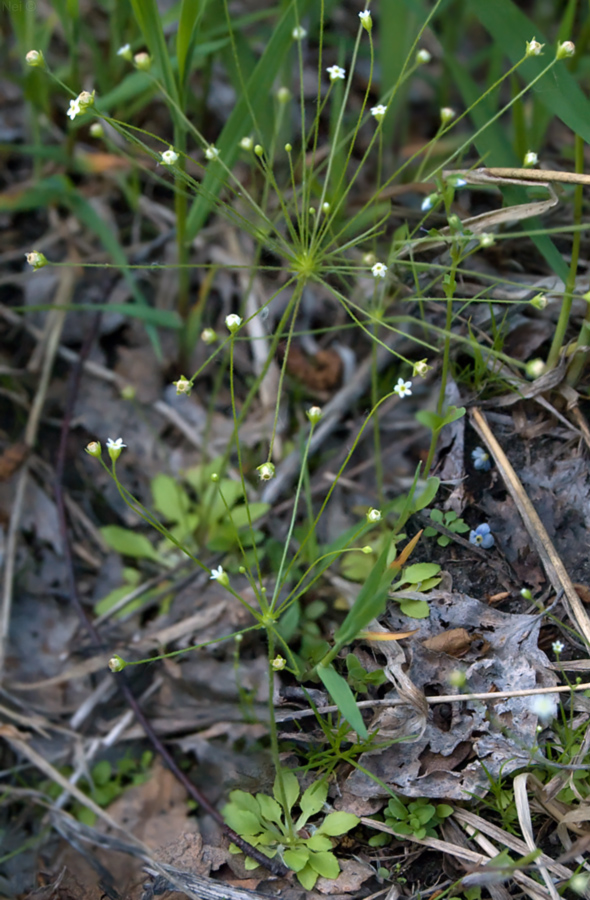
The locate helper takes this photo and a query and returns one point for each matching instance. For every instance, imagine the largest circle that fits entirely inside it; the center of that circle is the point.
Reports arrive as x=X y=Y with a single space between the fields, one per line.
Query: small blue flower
x=481 y=459
x=482 y=536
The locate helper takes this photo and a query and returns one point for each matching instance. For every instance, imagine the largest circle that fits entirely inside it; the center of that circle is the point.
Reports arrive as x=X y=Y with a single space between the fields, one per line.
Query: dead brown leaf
x=454 y=642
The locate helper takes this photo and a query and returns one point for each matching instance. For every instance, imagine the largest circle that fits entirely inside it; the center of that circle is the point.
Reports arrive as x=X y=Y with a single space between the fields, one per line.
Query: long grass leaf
x=240 y=122
x=495 y=149
x=343 y=697
x=370 y=601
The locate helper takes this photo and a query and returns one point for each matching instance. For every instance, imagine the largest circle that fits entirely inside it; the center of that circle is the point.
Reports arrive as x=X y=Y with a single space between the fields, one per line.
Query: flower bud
x=540 y=301
x=35 y=59
x=565 y=50
x=94 y=449
x=246 y=143
x=530 y=159
x=283 y=95
x=208 y=336
x=266 y=471
x=143 y=61
x=116 y=663
x=278 y=663
x=259 y=150
x=298 y=33
x=374 y=516
x=232 y=322
x=36 y=260
x=314 y=414
x=447 y=114
x=96 y=130
x=423 y=57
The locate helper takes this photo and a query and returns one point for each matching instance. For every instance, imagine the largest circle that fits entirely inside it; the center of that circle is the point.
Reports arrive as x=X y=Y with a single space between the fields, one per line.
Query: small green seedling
x=418 y=818
x=358 y=677
x=107 y=783
x=451 y=521
x=305 y=848
x=419 y=577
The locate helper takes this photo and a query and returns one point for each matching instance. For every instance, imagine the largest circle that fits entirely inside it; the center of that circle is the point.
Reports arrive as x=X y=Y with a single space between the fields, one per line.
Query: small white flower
x=544 y=706
x=125 y=52
x=212 y=152
x=530 y=159
x=557 y=647
x=266 y=471
x=169 y=157
x=246 y=143
x=232 y=322
x=379 y=270
x=421 y=368
x=378 y=111
x=36 y=260
x=534 y=48
x=314 y=414
x=336 y=73
x=447 y=114
x=481 y=459
x=183 y=385
x=220 y=576
x=278 y=663
x=370 y=259
x=115 y=447
x=298 y=33
x=366 y=20
x=374 y=515
x=74 y=109
x=486 y=240
x=566 y=49
x=403 y=388
x=423 y=57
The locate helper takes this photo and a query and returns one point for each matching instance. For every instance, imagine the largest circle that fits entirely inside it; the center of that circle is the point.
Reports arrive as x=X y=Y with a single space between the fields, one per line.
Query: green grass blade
x=557 y=90
x=343 y=697
x=370 y=601
x=240 y=122
x=191 y=12
x=495 y=149
x=148 y=17
x=60 y=190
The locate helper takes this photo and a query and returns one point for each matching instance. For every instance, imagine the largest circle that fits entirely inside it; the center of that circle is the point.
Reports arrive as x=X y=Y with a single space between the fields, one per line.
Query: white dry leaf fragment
x=444 y=758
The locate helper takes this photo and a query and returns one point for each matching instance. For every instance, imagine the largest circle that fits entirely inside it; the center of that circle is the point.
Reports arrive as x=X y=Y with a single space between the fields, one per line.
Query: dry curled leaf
x=453 y=641
x=12 y=459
